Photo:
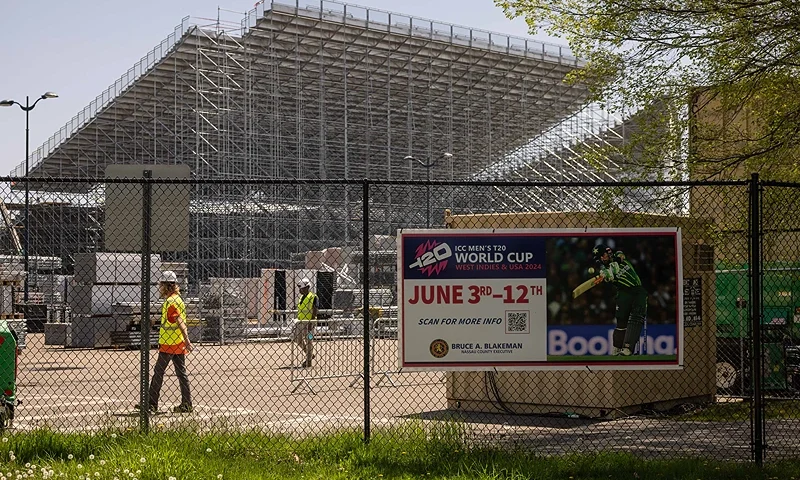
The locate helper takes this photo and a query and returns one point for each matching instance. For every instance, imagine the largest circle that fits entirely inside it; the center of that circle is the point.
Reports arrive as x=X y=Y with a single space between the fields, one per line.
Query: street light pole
x=26 y=238
x=428 y=165
x=26 y=233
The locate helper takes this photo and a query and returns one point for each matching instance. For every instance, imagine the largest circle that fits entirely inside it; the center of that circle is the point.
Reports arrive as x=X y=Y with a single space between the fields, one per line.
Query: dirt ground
x=240 y=385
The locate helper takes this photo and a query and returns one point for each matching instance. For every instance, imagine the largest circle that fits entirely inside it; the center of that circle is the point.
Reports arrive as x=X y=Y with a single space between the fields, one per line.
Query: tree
x=732 y=64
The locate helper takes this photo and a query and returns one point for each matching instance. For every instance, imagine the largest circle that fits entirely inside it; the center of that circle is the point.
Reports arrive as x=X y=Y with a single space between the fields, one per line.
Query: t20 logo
x=431 y=257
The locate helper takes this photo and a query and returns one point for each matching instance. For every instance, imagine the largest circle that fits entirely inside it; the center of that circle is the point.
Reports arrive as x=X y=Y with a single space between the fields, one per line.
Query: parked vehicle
x=780 y=325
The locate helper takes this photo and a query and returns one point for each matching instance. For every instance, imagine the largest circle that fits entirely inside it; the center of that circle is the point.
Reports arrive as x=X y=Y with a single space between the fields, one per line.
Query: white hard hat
x=168 y=276
x=305 y=283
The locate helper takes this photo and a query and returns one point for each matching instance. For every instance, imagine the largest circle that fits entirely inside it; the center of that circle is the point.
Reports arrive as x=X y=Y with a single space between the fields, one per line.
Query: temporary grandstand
x=323 y=90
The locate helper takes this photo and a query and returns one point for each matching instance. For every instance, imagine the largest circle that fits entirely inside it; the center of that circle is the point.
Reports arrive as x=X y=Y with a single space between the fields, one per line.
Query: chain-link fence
x=280 y=312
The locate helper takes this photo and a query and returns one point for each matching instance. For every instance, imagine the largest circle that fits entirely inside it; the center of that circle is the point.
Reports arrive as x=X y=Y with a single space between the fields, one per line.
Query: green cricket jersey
x=620 y=272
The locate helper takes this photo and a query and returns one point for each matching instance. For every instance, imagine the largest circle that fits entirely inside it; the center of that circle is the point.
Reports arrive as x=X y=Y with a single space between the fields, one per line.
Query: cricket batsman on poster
x=631 y=297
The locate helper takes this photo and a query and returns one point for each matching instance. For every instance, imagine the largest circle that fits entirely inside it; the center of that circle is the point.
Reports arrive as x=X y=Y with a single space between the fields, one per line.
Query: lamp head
x=50 y=95
x=409 y=157
x=447 y=155
x=6 y=103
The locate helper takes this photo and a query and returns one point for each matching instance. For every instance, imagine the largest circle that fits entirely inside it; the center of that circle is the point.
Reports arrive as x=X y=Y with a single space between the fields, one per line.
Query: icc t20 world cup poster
x=535 y=299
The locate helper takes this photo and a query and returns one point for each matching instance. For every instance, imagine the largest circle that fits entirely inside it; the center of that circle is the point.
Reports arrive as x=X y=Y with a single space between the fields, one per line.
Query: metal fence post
x=144 y=326
x=755 y=316
x=367 y=316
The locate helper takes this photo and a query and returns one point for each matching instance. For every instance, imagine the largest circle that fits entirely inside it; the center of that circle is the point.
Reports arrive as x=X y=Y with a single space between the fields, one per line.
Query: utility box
x=600 y=393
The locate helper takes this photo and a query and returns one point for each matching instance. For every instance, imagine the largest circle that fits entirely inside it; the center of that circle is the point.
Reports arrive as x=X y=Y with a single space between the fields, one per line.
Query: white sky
x=78 y=48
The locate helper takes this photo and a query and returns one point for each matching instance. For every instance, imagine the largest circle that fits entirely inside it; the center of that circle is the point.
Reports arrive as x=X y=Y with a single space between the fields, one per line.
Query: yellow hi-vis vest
x=305 y=309
x=170 y=337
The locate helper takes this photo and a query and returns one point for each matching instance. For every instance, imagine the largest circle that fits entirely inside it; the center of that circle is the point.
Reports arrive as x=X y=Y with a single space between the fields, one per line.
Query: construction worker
x=173 y=343
x=303 y=330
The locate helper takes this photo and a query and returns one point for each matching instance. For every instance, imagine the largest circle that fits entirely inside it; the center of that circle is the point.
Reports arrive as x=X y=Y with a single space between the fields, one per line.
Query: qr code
x=517 y=322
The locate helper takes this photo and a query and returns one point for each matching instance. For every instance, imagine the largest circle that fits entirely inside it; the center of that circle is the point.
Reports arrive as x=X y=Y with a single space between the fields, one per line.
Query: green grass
x=414 y=452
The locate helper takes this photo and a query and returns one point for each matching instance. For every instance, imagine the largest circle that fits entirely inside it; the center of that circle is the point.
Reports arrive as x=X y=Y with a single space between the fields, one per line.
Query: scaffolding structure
x=325 y=90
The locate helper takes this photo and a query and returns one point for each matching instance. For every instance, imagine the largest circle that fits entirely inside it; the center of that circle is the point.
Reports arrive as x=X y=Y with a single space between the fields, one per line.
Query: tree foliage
x=726 y=71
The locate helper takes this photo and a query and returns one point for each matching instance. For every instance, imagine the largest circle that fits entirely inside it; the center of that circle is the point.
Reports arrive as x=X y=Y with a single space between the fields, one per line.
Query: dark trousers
x=630 y=316
x=179 y=361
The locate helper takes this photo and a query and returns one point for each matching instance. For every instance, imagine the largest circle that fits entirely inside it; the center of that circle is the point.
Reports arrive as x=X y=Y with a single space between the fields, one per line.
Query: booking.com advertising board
x=537 y=299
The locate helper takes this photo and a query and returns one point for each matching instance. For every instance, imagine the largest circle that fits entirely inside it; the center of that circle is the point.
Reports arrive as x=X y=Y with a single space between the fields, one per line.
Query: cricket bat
x=583 y=287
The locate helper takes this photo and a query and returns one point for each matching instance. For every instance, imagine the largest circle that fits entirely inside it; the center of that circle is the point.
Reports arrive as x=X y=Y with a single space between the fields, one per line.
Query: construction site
x=312 y=133
x=322 y=91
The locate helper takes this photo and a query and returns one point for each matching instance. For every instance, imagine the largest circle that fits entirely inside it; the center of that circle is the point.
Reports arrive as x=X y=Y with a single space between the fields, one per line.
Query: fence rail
x=250 y=244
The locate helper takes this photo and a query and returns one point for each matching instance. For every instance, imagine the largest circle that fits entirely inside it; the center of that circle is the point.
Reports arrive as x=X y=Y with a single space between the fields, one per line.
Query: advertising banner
x=532 y=299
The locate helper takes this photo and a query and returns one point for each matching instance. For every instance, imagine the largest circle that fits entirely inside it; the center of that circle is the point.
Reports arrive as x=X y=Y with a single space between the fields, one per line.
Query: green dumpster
x=8 y=373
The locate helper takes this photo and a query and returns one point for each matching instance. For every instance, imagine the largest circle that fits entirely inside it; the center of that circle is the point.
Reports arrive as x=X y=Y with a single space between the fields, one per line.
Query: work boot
x=615 y=351
x=183 y=408
x=625 y=352
x=152 y=408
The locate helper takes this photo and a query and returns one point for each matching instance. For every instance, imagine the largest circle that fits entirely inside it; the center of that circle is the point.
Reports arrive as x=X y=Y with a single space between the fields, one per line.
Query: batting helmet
x=599 y=250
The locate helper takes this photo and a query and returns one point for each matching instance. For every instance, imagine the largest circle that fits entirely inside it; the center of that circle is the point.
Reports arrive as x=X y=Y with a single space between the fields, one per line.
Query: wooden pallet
x=131 y=340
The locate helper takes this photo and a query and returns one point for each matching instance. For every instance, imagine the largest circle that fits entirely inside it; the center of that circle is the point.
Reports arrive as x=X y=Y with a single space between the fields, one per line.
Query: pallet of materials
x=132 y=339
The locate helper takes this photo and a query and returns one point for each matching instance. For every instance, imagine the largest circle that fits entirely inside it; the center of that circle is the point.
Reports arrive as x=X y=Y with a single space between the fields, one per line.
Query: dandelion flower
x=172 y=478
x=142 y=460
x=102 y=462
x=70 y=456
x=79 y=466
x=113 y=435
x=219 y=476
x=208 y=450
x=91 y=457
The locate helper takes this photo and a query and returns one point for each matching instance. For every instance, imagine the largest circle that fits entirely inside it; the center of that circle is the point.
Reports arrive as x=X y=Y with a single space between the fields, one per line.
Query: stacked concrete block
x=94 y=331
x=58 y=329
x=101 y=281
x=237 y=292
x=99 y=299
x=228 y=305
x=58 y=334
x=114 y=268
x=51 y=287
